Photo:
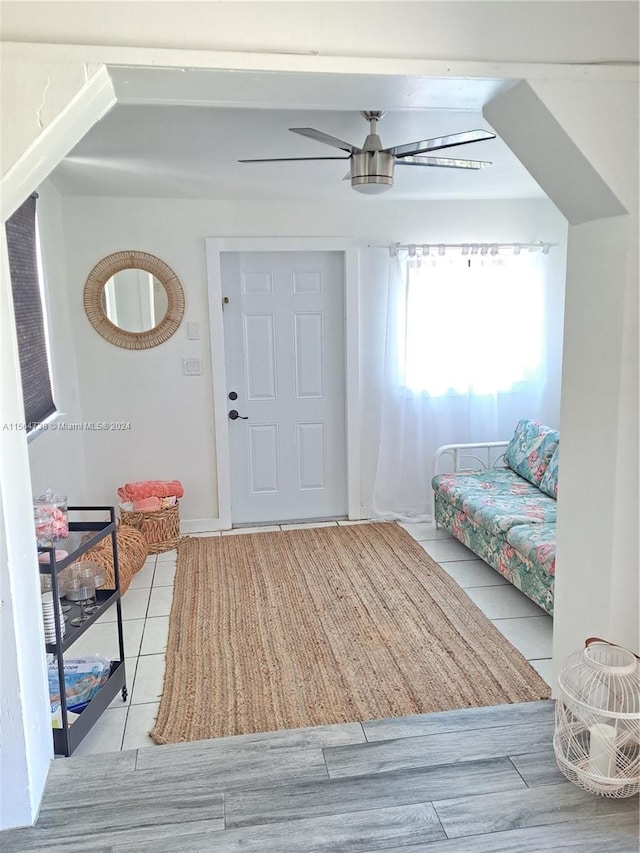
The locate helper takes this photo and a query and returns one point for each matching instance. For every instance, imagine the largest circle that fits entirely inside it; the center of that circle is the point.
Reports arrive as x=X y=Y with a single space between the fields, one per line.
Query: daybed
x=506 y=511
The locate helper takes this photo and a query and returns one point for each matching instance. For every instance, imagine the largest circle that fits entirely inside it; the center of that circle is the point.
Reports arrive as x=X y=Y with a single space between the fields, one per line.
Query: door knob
x=233 y=414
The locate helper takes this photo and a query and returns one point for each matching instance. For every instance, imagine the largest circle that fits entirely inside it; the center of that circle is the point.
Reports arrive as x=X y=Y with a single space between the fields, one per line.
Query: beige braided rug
x=307 y=627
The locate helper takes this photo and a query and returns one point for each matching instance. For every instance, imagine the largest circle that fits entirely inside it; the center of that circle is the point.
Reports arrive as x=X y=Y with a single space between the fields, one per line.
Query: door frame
x=215 y=246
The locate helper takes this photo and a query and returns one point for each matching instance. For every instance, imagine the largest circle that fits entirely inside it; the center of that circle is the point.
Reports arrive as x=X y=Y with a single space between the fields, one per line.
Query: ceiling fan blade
x=347 y=177
x=439 y=142
x=289 y=159
x=444 y=161
x=319 y=136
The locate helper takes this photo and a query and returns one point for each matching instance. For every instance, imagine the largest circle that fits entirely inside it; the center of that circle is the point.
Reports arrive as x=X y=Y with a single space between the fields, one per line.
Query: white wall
x=596 y=591
x=56 y=456
x=171 y=415
x=493 y=31
x=56 y=460
x=171 y=418
x=25 y=750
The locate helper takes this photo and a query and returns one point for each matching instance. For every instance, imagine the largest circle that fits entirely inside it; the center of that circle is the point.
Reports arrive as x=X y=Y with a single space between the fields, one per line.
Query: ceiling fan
x=371 y=166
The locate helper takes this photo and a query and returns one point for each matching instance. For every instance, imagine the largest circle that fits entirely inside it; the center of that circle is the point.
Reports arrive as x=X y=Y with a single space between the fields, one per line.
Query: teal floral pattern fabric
x=530 y=450
x=549 y=483
x=496 y=499
x=536 y=543
x=525 y=574
x=507 y=515
x=496 y=481
x=500 y=514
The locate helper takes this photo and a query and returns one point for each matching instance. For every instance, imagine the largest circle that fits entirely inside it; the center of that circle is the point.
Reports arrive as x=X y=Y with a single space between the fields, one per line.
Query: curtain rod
x=471 y=248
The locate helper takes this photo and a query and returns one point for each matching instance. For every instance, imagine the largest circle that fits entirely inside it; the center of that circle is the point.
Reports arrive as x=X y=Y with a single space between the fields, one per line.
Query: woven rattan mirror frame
x=93 y=299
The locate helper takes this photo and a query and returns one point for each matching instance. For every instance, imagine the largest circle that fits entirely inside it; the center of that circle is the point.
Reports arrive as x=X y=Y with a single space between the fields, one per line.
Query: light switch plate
x=193 y=330
x=191 y=366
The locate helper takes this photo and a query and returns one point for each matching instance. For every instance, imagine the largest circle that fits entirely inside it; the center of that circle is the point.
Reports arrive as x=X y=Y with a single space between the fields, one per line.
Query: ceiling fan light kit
x=372 y=172
x=371 y=166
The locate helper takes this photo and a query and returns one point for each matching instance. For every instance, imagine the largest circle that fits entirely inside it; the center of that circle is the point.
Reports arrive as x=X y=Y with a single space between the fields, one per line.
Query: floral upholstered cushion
x=496 y=499
x=502 y=514
x=549 y=483
x=536 y=543
x=530 y=450
x=456 y=488
x=527 y=575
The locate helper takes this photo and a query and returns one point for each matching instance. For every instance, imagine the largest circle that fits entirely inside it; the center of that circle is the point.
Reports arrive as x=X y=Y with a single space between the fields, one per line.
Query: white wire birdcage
x=597 y=732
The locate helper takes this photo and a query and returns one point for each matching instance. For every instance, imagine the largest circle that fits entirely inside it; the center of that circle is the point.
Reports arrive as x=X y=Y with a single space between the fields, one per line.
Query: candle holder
x=79 y=590
x=47 y=586
x=94 y=573
x=597 y=734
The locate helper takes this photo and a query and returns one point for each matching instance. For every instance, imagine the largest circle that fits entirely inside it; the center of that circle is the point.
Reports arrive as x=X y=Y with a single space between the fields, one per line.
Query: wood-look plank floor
x=469 y=781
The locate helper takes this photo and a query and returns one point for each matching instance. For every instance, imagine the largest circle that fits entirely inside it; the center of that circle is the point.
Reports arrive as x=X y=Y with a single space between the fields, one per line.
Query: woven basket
x=132 y=553
x=161 y=528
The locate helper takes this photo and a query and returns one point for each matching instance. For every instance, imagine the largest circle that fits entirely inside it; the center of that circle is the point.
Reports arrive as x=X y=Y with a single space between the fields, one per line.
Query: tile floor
x=147 y=604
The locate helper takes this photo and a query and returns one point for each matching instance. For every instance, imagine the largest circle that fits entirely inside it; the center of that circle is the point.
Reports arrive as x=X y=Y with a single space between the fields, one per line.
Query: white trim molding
x=199 y=525
x=92 y=102
x=214 y=248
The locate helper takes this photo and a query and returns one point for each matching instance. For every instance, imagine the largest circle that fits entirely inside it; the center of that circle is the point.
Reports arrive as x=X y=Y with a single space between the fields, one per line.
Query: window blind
x=27 y=302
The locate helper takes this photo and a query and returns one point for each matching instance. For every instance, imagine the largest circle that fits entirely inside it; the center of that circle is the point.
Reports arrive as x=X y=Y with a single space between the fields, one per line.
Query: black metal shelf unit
x=67 y=738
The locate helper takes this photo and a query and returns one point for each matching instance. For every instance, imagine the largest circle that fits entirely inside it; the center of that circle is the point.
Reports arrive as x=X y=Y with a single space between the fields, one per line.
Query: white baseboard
x=200 y=525
x=212 y=525
x=369 y=512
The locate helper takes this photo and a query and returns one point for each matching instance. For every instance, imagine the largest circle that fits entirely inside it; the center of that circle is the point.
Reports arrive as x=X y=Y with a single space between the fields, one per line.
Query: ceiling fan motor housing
x=372 y=171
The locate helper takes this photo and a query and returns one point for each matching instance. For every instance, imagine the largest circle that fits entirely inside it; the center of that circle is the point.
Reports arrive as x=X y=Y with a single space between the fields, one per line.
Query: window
x=471 y=325
x=22 y=243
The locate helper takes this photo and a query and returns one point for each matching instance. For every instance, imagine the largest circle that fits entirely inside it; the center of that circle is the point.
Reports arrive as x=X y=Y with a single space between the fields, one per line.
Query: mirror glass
x=135 y=300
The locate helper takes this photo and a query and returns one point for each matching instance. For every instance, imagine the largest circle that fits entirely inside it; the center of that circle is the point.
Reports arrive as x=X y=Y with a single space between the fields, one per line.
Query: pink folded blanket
x=147 y=504
x=151 y=489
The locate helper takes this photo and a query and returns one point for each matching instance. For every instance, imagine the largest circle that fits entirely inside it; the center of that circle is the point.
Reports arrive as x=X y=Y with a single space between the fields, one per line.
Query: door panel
x=284 y=352
x=311 y=456
x=263 y=458
x=309 y=349
x=260 y=356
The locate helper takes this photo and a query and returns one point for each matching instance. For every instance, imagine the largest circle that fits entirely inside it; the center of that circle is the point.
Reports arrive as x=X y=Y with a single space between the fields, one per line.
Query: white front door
x=284 y=354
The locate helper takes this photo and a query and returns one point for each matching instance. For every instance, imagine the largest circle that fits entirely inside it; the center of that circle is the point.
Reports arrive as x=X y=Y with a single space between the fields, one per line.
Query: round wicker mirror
x=133 y=300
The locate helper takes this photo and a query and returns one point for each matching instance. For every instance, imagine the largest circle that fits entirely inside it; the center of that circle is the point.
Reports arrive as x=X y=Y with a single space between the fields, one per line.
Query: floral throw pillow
x=549 y=482
x=530 y=450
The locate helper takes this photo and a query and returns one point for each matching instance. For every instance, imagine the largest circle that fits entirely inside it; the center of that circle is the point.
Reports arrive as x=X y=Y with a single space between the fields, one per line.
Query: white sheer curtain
x=465 y=358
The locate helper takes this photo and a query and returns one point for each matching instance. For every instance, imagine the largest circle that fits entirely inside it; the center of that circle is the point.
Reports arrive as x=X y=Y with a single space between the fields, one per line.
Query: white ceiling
x=179 y=134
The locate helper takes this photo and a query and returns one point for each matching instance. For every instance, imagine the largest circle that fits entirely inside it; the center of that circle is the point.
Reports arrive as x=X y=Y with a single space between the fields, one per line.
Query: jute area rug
x=315 y=626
